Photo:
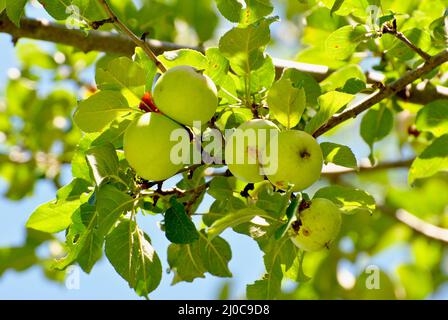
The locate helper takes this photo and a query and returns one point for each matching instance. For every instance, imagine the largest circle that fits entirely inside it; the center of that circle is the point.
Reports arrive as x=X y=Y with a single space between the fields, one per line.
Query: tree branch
x=421 y=226
x=385 y=92
x=400 y=36
x=418 y=225
x=382 y=166
x=139 y=42
x=118 y=44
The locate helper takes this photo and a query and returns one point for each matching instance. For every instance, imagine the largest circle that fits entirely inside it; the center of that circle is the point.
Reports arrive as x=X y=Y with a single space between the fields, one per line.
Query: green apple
x=299 y=161
x=186 y=95
x=147 y=146
x=317 y=226
x=244 y=146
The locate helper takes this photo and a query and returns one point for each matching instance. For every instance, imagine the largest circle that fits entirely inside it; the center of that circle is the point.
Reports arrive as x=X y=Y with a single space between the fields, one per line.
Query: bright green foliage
x=338 y=154
x=129 y=250
x=107 y=118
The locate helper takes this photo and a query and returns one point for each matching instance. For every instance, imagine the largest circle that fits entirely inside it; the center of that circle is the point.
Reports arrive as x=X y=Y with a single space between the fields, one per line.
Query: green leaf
x=340 y=77
x=290 y=214
x=15 y=9
x=255 y=10
x=338 y=154
x=336 y=6
x=330 y=103
x=376 y=125
x=32 y=55
x=432 y=160
x=191 y=261
x=130 y=252
x=218 y=66
x=150 y=69
x=342 y=43
x=17 y=258
x=262 y=78
x=423 y=200
x=95 y=113
x=244 y=46
x=124 y=75
x=271 y=201
x=80 y=167
x=103 y=162
x=350 y=200
x=2 y=5
x=216 y=254
x=382 y=20
x=111 y=203
x=357 y=8
x=286 y=102
x=278 y=254
x=295 y=272
x=90 y=225
x=55 y=216
x=433 y=118
x=354 y=86
x=220 y=208
x=84 y=243
x=235 y=219
x=221 y=188
x=417 y=282
x=184 y=57
x=114 y=134
x=308 y=83
x=178 y=226
x=185 y=262
x=268 y=287
x=61 y=9
x=199 y=14
x=230 y=9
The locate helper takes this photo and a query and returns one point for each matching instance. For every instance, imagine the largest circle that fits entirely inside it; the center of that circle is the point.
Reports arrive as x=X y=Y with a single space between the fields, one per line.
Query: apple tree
x=161 y=96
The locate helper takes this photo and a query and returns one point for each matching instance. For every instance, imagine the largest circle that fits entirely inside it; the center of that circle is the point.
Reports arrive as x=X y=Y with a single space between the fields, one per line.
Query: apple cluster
x=298 y=157
x=299 y=164
x=183 y=95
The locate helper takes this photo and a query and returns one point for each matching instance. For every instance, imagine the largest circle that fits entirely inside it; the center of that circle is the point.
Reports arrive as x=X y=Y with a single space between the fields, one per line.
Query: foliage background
x=423 y=263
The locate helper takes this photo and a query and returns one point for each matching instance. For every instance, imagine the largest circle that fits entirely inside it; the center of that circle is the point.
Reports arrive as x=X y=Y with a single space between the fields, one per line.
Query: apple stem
x=138 y=41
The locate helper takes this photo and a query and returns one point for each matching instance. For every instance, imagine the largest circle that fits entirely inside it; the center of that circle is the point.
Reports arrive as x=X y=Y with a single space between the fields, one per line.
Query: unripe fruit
x=186 y=95
x=299 y=159
x=245 y=163
x=147 y=146
x=317 y=226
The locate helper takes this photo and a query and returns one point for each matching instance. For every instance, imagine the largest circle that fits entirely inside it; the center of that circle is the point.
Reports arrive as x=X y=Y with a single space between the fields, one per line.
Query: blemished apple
x=185 y=95
x=147 y=146
x=299 y=161
x=243 y=149
x=317 y=226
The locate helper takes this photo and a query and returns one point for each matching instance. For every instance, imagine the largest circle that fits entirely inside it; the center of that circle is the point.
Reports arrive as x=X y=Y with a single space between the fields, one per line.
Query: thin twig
x=138 y=41
x=382 y=166
x=392 y=29
x=385 y=92
x=418 y=225
x=196 y=193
